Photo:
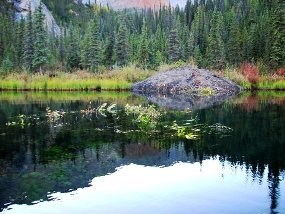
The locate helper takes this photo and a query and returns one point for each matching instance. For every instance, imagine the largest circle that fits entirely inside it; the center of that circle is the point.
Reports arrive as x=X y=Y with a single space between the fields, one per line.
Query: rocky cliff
x=22 y=9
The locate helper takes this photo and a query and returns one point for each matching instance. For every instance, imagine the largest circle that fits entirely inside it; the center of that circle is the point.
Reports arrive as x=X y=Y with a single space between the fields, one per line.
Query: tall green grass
x=120 y=79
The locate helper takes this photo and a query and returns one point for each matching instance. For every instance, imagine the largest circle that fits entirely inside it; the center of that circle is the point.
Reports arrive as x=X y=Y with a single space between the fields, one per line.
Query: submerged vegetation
x=147 y=120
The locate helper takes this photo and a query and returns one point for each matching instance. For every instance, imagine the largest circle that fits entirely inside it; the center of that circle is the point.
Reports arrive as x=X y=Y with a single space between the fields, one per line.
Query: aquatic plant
x=188 y=130
x=147 y=120
x=146 y=117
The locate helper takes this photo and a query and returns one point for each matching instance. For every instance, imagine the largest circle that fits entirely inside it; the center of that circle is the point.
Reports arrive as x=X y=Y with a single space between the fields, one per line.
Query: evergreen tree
x=188 y=46
x=109 y=52
x=91 y=56
x=216 y=48
x=198 y=56
x=277 y=58
x=72 y=55
x=40 y=55
x=19 y=43
x=61 y=48
x=173 y=46
x=29 y=42
x=122 y=45
x=94 y=46
x=144 y=49
x=234 y=51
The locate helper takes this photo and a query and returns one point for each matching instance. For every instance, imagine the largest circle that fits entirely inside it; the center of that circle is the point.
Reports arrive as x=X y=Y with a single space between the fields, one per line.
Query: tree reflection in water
x=68 y=153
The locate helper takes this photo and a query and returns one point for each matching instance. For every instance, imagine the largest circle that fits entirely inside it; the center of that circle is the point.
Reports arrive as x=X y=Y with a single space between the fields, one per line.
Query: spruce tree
x=233 y=44
x=72 y=55
x=188 y=50
x=61 y=49
x=122 y=45
x=198 y=56
x=94 y=45
x=19 y=43
x=91 y=56
x=173 y=46
x=277 y=58
x=216 y=49
x=144 y=49
x=29 y=42
x=109 y=51
x=40 y=55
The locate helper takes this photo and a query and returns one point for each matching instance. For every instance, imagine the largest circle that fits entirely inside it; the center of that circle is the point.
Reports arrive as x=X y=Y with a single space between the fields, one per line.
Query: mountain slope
x=121 y=4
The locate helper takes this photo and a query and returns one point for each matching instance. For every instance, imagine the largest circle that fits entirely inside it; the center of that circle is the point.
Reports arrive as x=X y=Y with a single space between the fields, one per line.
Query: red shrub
x=250 y=71
x=280 y=72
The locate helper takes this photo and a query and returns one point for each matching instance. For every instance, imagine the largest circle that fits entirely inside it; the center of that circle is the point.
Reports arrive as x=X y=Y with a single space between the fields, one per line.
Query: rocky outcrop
x=186 y=88
x=22 y=9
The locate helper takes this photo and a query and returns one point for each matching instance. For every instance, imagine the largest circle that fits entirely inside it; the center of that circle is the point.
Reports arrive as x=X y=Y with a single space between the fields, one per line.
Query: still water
x=70 y=159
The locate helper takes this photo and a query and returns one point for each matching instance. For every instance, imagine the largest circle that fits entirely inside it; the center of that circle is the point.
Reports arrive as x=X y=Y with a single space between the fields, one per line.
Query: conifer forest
x=214 y=34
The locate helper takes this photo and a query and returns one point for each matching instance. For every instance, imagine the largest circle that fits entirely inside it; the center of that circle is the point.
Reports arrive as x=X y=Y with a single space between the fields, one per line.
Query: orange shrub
x=250 y=71
x=280 y=72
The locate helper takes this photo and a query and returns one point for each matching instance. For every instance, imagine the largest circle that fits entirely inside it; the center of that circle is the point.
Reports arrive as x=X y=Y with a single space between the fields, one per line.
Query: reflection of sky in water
x=212 y=187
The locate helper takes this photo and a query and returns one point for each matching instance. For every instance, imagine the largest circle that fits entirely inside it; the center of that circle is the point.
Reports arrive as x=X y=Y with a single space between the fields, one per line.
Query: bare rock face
x=22 y=9
x=186 y=88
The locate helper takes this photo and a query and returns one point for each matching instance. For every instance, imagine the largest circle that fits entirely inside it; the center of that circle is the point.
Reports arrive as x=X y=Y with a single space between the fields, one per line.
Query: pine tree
x=94 y=46
x=109 y=52
x=216 y=48
x=188 y=46
x=277 y=58
x=61 y=48
x=144 y=49
x=29 y=42
x=72 y=55
x=122 y=45
x=40 y=56
x=19 y=43
x=91 y=56
x=234 y=50
x=198 y=56
x=173 y=46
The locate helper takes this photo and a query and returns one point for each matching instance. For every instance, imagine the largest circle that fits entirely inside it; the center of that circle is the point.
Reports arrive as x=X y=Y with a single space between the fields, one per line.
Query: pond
x=118 y=153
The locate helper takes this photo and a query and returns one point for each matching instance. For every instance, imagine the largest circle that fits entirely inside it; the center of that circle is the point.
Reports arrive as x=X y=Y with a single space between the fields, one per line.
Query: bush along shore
x=248 y=77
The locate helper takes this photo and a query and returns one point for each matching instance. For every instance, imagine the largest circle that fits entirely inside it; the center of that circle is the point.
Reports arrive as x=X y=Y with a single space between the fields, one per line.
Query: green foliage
x=122 y=45
x=216 y=48
x=147 y=117
x=213 y=33
x=174 y=53
x=109 y=52
x=72 y=56
x=144 y=51
x=6 y=66
x=40 y=53
x=29 y=42
x=277 y=57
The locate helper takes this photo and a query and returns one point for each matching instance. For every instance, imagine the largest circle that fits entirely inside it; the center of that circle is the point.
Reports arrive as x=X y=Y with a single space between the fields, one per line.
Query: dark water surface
x=76 y=162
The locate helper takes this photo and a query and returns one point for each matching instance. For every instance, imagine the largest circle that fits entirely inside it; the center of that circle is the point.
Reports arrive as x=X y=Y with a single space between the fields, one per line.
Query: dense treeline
x=213 y=33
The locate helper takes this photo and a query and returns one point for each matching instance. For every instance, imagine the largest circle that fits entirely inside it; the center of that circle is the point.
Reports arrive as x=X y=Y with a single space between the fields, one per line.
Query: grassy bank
x=115 y=80
x=262 y=82
x=122 y=80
